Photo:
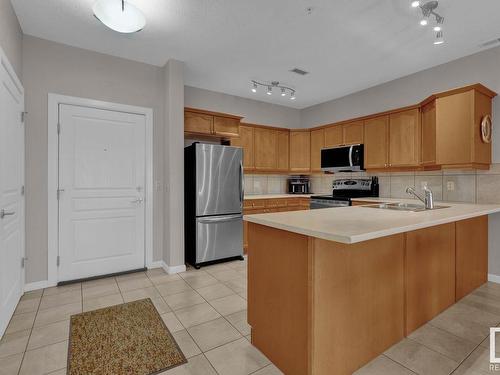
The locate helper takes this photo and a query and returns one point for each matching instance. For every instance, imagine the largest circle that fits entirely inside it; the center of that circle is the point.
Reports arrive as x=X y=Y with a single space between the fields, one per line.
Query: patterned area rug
x=125 y=339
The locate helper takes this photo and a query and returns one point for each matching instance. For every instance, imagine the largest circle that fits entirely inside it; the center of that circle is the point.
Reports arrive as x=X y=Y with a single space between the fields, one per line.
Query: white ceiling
x=347 y=45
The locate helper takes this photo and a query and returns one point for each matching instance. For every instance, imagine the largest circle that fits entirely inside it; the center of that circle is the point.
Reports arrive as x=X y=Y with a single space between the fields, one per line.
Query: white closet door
x=11 y=197
x=101 y=200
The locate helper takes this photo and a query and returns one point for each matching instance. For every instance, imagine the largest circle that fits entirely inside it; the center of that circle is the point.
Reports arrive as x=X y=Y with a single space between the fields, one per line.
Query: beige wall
x=11 y=36
x=253 y=111
x=50 y=67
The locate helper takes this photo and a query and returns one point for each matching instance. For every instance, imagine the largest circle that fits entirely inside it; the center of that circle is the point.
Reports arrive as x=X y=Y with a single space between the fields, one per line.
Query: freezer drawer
x=219 y=237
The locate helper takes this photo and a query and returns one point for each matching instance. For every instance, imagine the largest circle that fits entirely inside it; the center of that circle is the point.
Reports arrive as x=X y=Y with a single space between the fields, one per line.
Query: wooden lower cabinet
x=471 y=255
x=319 y=307
x=430 y=273
x=266 y=206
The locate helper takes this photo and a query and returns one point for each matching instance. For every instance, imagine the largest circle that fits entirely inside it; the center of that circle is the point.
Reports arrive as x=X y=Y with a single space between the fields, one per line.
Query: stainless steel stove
x=344 y=190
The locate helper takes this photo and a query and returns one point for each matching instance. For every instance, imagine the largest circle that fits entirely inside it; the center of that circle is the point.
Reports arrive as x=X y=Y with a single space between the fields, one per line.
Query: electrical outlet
x=450 y=185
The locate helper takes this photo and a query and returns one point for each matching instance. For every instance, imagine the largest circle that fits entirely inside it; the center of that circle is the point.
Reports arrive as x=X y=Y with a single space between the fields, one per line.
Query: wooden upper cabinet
x=317 y=143
x=376 y=140
x=300 y=151
x=334 y=136
x=245 y=140
x=353 y=133
x=404 y=138
x=198 y=123
x=226 y=126
x=265 y=146
x=458 y=128
x=283 y=151
x=428 y=147
x=345 y=134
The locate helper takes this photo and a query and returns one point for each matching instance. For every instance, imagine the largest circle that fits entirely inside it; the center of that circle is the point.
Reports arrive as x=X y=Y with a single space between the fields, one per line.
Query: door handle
x=138 y=200
x=4 y=213
x=219 y=219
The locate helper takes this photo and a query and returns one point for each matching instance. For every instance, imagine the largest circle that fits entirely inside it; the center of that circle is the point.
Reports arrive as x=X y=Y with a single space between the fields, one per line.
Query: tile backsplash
x=449 y=185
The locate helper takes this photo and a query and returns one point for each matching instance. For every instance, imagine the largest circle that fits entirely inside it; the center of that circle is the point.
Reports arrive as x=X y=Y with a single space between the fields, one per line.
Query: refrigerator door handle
x=242 y=184
x=219 y=219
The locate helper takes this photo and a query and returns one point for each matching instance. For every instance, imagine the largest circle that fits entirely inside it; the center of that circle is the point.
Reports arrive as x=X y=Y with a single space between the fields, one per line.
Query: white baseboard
x=173 y=269
x=494 y=278
x=38 y=285
x=156 y=264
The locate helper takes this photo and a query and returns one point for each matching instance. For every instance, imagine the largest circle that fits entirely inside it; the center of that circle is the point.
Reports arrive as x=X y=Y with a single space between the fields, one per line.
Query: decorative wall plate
x=486 y=129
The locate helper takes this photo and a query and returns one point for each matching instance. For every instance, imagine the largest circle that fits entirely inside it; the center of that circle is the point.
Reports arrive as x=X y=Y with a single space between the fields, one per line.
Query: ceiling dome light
x=415 y=4
x=119 y=15
x=424 y=22
x=269 y=90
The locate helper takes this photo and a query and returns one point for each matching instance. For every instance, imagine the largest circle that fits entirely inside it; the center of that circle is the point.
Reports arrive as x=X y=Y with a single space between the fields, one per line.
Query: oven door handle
x=350 y=156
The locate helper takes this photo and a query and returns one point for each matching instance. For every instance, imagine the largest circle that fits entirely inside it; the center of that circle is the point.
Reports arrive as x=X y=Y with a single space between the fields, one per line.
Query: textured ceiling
x=347 y=45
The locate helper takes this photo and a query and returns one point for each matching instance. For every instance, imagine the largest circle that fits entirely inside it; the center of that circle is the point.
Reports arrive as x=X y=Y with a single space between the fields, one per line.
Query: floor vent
x=490 y=43
x=299 y=71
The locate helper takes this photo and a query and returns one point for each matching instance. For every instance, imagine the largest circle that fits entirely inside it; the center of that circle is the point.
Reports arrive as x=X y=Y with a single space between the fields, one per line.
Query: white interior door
x=101 y=199
x=11 y=197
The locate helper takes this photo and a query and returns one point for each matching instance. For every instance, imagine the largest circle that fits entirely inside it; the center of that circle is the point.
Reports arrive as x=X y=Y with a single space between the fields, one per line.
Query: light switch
x=450 y=185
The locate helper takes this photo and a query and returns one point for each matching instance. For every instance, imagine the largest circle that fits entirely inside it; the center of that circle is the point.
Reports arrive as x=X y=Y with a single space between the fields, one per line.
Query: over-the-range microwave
x=343 y=159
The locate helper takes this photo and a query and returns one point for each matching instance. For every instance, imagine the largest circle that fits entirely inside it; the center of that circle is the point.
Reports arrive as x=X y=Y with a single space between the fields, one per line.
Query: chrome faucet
x=428 y=199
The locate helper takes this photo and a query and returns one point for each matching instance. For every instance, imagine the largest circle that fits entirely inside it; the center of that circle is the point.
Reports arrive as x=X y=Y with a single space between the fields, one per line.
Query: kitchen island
x=331 y=289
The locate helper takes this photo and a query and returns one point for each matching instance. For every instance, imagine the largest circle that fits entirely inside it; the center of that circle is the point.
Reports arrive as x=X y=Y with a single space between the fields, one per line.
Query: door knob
x=4 y=213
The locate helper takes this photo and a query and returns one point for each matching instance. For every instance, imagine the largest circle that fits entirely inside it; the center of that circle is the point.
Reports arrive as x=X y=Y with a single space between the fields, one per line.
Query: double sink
x=404 y=207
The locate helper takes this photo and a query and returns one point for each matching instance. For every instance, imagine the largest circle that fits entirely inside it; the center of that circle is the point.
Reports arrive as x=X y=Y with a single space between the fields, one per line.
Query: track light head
x=269 y=90
x=254 y=88
x=439 y=38
x=415 y=4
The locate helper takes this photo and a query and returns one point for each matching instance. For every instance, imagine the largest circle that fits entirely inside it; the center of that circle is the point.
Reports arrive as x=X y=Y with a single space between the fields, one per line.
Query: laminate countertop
x=361 y=223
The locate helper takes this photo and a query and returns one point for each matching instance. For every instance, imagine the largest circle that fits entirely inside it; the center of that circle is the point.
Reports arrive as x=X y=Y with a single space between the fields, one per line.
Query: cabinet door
x=300 y=151
x=334 y=136
x=404 y=138
x=429 y=134
x=265 y=147
x=353 y=133
x=198 y=123
x=226 y=126
x=317 y=143
x=376 y=142
x=245 y=140
x=283 y=150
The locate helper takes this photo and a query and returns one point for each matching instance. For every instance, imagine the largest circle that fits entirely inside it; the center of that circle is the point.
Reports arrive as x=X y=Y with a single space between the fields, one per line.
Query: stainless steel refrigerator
x=213 y=200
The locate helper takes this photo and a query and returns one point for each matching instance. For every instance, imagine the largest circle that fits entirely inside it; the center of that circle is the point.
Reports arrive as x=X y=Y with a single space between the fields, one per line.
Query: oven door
x=327 y=203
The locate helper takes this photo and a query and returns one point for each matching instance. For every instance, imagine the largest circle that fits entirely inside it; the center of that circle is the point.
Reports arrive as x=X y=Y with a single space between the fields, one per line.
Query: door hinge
x=59 y=191
x=22 y=190
x=23 y=262
x=58 y=128
x=23 y=116
x=58 y=261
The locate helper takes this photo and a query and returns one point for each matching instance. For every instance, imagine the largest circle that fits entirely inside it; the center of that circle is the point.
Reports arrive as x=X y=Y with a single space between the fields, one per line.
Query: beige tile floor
x=206 y=312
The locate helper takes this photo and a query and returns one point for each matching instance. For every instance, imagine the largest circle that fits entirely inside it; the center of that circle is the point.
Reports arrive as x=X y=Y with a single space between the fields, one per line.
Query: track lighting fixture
x=273 y=84
x=428 y=11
